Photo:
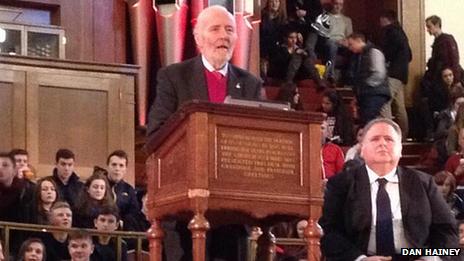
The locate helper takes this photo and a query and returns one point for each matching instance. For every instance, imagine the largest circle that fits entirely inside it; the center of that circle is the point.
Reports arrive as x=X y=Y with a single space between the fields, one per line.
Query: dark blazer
x=346 y=217
x=185 y=81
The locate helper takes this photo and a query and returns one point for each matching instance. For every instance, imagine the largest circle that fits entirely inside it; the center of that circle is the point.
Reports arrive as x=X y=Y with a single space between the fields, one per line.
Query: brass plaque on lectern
x=245 y=155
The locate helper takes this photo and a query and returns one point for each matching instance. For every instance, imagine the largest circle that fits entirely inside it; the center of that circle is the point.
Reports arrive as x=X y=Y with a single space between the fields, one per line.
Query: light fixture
x=2 y=35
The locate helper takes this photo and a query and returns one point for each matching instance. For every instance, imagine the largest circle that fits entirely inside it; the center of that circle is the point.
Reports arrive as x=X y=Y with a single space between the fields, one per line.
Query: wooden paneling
x=12 y=103
x=6 y=119
x=95 y=29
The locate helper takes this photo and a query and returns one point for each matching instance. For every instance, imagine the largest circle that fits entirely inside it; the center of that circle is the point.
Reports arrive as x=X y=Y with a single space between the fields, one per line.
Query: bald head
x=215 y=35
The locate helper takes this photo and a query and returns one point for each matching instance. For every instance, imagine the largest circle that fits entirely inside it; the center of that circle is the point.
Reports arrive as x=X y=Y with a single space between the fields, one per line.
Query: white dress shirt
x=210 y=67
x=393 y=190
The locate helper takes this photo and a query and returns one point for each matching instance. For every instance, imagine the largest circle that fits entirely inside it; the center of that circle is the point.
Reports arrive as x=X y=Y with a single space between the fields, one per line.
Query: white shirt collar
x=392 y=176
x=210 y=67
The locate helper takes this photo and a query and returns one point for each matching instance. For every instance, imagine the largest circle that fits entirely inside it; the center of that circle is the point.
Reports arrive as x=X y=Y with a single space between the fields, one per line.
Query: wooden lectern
x=257 y=165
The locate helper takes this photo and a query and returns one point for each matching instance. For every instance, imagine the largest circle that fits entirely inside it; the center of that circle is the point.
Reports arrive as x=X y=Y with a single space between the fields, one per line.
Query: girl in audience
x=340 y=123
x=46 y=195
x=289 y=93
x=447 y=185
x=448 y=78
x=32 y=249
x=96 y=194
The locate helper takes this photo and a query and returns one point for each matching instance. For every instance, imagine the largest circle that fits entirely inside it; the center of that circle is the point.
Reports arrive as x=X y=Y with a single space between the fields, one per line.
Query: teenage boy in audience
x=69 y=185
x=105 y=246
x=22 y=161
x=80 y=246
x=16 y=197
x=56 y=242
x=123 y=191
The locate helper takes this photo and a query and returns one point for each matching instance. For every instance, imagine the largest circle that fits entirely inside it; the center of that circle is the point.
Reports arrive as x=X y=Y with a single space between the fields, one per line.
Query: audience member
x=340 y=28
x=57 y=242
x=370 y=78
x=2 y=257
x=447 y=77
x=106 y=247
x=198 y=78
x=288 y=92
x=309 y=19
x=32 y=249
x=452 y=141
x=455 y=163
x=445 y=52
x=354 y=153
x=446 y=185
x=461 y=233
x=80 y=245
x=22 y=162
x=290 y=61
x=362 y=211
x=45 y=196
x=331 y=154
x=272 y=28
x=16 y=194
x=96 y=194
x=339 y=121
x=395 y=46
x=445 y=120
x=69 y=185
x=126 y=199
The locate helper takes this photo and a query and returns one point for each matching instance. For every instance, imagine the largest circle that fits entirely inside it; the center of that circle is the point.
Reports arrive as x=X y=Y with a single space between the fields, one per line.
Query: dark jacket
x=395 y=46
x=126 y=199
x=363 y=71
x=445 y=53
x=56 y=251
x=15 y=201
x=108 y=252
x=313 y=8
x=182 y=82
x=71 y=191
x=347 y=214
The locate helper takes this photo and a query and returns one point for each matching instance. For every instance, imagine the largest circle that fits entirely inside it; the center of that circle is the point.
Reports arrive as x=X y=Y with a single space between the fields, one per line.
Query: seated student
x=22 y=162
x=126 y=198
x=340 y=127
x=45 y=196
x=452 y=141
x=56 y=242
x=446 y=185
x=106 y=246
x=444 y=121
x=288 y=92
x=32 y=249
x=96 y=194
x=290 y=61
x=332 y=155
x=16 y=197
x=80 y=245
x=69 y=185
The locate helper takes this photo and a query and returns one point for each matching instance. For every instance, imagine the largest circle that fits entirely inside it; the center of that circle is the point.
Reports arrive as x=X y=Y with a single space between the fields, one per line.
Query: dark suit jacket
x=185 y=81
x=347 y=217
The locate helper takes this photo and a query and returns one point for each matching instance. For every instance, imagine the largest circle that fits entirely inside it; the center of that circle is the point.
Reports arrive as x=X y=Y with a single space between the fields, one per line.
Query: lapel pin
x=238 y=86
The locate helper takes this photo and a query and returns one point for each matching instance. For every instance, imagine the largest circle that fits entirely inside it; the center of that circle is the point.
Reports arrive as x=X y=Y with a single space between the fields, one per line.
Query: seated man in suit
x=207 y=77
x=372 y=211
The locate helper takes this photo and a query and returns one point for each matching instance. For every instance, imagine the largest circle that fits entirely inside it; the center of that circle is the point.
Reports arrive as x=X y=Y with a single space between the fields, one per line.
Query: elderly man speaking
x=207 y=77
